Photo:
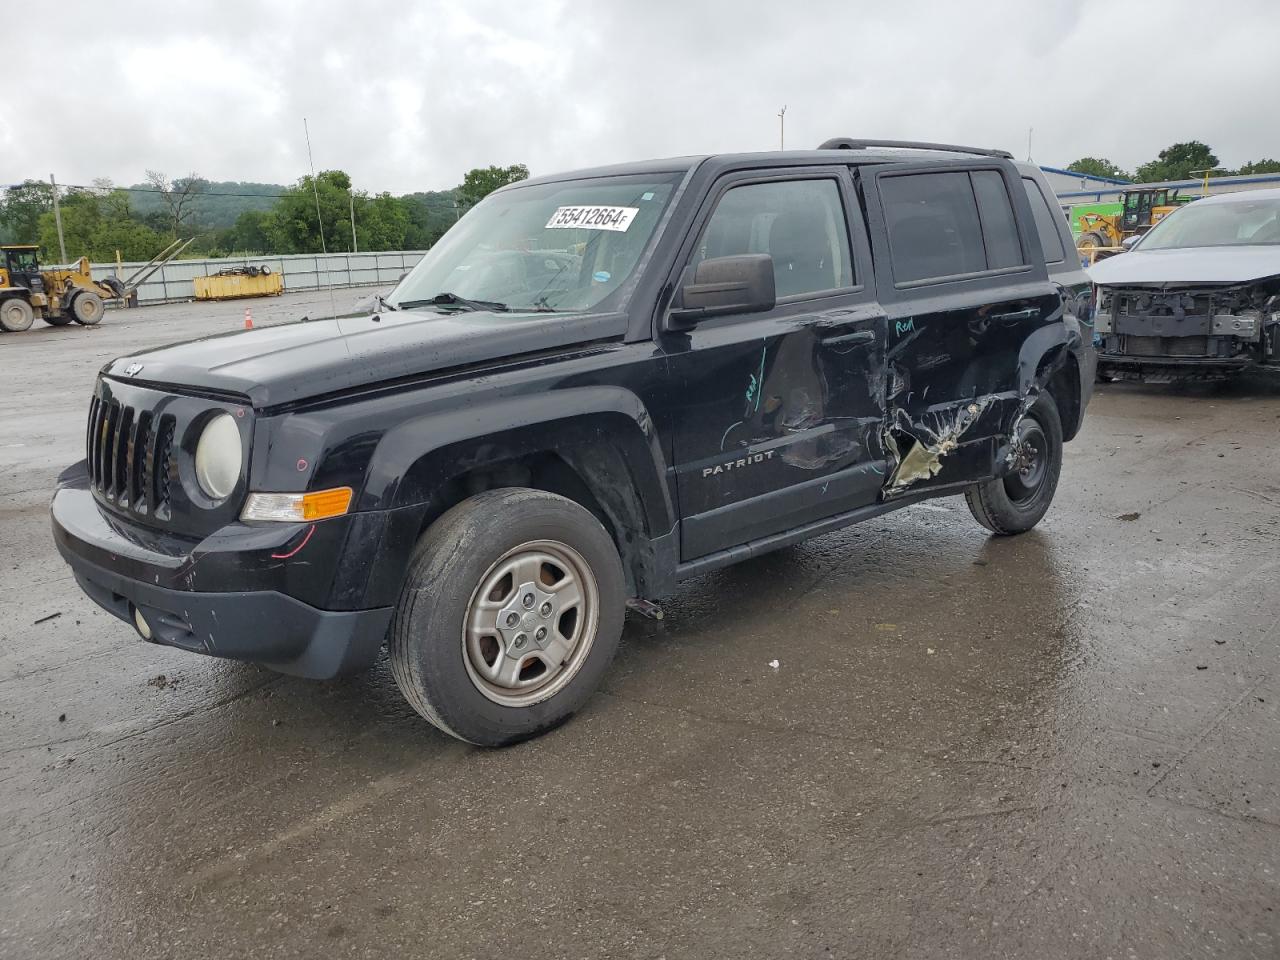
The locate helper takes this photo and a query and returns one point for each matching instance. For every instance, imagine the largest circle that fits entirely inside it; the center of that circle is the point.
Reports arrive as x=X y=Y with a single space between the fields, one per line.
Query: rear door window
x=1046 y=225
x=999 y=229
x=933 y=224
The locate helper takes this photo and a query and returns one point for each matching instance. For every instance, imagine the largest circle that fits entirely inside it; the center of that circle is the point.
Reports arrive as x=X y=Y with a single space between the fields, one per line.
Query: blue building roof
x=1085 y=176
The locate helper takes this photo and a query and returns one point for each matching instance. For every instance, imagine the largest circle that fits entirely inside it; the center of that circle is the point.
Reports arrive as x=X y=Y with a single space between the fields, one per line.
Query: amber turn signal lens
x=326 y=503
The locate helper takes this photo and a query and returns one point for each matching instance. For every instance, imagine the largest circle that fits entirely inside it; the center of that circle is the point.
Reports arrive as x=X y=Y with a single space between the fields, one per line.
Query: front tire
x=87 y=308
x=511 y=612
x=1015 y=503
x=16 y=315
x=1091 y=240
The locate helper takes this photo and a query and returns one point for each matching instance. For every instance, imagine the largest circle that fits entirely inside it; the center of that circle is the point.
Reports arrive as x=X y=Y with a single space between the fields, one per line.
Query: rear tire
x=87 y=308
x=1016 y=502
x=511 y=612
x=16 y=315
x=1090 y=241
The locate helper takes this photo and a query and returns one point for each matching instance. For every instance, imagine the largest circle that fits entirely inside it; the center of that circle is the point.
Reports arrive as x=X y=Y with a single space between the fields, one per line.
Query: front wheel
x=511 y=612
x=87 y=308
x=16 y=315
x=1015 y=502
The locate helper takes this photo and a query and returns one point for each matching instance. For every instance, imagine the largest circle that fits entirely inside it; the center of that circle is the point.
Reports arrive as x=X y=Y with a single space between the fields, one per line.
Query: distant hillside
x=215 y=209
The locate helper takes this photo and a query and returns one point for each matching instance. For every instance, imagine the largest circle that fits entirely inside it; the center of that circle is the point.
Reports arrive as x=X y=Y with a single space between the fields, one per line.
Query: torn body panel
x=959 y=382
x=919 y=447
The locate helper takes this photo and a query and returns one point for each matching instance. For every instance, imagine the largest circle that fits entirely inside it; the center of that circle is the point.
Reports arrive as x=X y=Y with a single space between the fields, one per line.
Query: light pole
x=57 y=218
x=1204 y=186
x=351 y=195
x=782 y=128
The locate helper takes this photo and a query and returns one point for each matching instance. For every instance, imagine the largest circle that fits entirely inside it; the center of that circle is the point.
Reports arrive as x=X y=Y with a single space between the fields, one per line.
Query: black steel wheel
x=1015 y=502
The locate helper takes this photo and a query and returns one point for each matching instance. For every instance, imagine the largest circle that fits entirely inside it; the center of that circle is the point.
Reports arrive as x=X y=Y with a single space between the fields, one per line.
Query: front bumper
x=246 y=616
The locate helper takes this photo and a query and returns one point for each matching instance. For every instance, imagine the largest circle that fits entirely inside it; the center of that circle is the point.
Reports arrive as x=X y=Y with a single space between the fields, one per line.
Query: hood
x=296 y=361
x=1192 y=265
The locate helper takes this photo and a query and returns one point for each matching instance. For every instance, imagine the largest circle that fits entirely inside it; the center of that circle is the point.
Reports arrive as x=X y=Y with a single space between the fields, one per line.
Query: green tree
x=482 y=181
x=430 y=214
x=381 y=222
x=134 y=240
x=1097 y=167
x=292 y=226
x=80 y=218
x=1259 y=166
x=249 y=234
x=1179 y=161
x=97 y=224
x=20 y=211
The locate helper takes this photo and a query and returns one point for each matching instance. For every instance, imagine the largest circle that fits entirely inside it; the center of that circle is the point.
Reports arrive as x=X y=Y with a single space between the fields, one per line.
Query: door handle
x=859 y=336
x=1016 y=316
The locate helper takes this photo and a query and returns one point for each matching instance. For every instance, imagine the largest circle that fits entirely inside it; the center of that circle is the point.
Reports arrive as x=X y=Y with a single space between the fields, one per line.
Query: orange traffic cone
x=248 y=319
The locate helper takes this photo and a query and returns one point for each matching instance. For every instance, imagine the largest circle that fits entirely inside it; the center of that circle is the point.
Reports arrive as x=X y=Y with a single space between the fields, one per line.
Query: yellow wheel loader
x=60 y=295
x=1142 y=209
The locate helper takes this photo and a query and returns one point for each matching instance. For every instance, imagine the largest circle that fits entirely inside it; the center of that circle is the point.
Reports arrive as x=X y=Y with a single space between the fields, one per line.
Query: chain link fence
x=173 y=281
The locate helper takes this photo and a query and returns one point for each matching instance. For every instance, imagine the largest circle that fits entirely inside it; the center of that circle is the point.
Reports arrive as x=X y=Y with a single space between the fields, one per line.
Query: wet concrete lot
x=1065 y=744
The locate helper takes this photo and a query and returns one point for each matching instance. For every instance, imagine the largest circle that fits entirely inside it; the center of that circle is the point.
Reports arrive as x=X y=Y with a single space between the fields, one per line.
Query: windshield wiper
x=453 y=300
x=384 y=303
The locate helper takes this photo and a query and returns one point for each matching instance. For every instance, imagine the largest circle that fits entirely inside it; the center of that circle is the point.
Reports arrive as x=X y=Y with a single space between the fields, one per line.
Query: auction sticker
x=593 y=218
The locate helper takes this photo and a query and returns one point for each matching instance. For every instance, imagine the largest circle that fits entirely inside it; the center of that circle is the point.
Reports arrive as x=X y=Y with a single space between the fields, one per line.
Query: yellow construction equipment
x=63 y=294
x=1143 y=208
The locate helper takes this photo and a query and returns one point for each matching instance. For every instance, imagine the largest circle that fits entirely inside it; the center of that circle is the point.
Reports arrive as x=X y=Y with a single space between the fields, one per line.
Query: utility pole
x=1029 y=131
x=782 y=128
x=57 y=218
x=351 y=194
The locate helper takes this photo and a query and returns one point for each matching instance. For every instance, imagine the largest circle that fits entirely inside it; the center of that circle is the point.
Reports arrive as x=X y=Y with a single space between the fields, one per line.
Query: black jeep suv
x=596 y=384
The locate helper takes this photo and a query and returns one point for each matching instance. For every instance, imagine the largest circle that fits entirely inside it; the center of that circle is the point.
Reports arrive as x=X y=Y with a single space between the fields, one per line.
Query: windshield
x=566 y=246
x=1239 y=223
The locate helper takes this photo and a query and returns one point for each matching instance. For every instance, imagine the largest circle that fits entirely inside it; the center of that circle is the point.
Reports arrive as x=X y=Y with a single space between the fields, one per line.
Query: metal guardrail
x=174 y=281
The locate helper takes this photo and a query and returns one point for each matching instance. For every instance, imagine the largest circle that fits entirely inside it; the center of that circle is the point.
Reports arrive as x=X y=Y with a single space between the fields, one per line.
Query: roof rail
x=847 y=143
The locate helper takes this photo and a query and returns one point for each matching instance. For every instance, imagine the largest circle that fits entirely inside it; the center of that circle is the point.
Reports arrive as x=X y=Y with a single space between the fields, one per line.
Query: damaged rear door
x=964 y=285
x=781 y=411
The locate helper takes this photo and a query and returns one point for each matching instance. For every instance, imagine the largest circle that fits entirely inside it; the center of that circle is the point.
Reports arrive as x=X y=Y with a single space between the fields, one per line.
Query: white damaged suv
x=1197 y=297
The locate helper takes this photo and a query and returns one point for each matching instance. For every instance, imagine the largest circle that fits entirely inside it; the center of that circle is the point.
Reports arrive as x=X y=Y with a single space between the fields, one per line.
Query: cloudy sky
x=408 y=96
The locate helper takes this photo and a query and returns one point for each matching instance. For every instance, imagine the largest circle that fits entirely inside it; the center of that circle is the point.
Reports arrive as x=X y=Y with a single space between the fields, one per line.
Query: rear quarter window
x=1046 y=225
x=999 y=228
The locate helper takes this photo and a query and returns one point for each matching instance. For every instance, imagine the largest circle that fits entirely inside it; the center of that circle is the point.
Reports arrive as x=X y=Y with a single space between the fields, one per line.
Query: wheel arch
x=1047 y=361
x=604 y=455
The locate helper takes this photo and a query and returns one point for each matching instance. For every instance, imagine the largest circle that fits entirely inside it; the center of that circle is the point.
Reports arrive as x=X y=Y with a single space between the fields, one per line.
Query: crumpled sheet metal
x=939 y=433
x=935 y=437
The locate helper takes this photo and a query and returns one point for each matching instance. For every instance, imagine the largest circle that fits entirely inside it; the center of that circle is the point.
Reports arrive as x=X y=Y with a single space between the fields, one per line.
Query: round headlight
x=219 y=457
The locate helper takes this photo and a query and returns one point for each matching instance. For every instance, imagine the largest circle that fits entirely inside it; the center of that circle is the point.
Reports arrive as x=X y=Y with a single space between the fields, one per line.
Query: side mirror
x=1129 y=242
x=741 y=284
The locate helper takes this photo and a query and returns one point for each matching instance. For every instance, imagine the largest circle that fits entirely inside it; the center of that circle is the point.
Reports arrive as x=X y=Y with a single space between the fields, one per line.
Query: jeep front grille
x=129 y=453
